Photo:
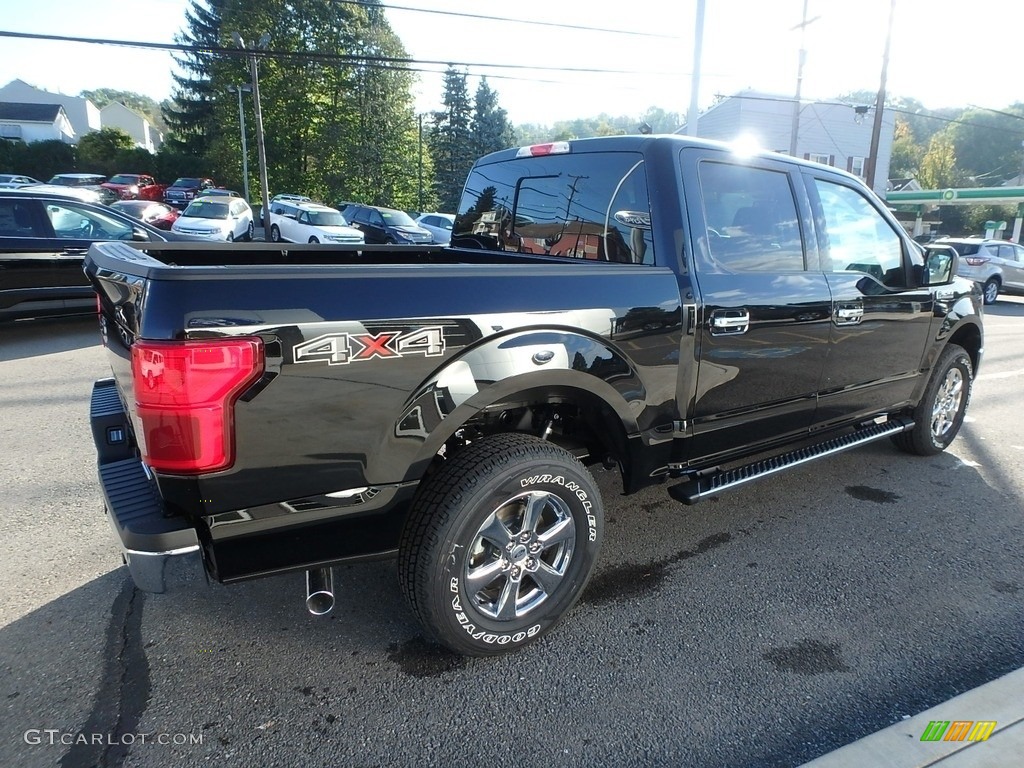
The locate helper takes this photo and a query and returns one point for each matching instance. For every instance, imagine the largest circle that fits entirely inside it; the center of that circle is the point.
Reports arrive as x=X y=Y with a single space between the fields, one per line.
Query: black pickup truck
x=662 y=305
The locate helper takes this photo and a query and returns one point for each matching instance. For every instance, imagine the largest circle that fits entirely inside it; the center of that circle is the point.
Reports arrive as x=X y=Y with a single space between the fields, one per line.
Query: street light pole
x=260 y=146
x=240 y=88
x=419 y=167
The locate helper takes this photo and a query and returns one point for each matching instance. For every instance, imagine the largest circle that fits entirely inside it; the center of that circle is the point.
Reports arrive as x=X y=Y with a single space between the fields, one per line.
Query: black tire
x=470 y=520
x=275 y=233
x=231 y=237
x=939 y=415
x=314 y=241
x=250 y=231
x=990 y=290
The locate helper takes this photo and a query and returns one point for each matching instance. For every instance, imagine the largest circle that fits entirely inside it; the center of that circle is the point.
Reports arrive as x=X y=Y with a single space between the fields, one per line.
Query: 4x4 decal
x=344 y=348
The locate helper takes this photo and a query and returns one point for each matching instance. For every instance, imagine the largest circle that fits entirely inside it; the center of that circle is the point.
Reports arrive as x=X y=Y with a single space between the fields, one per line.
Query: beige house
x=82 y=113
x=35 y=122
x=145 y=136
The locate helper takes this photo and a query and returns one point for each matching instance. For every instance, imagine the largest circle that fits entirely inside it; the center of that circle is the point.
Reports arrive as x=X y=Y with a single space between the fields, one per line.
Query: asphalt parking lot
x=764 y=627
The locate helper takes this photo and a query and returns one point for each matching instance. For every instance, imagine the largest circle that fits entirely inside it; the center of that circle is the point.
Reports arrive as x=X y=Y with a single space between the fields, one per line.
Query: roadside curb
x=900 y=745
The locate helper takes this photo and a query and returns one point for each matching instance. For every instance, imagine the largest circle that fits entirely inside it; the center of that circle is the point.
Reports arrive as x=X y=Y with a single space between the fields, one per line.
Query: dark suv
x=386 y=225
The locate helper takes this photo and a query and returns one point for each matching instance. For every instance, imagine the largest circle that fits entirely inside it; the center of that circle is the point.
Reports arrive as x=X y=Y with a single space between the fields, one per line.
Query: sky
x=630 y=56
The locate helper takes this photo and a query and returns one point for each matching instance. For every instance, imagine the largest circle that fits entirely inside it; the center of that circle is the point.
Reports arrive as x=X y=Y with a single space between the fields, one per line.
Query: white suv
x=305 y=222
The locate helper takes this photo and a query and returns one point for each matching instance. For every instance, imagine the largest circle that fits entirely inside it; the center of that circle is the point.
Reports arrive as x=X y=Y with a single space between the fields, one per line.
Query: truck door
x=880 y=322
x=762 y=319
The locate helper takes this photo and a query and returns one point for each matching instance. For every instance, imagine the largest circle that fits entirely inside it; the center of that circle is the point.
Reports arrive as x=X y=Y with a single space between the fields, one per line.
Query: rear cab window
x=592 y=206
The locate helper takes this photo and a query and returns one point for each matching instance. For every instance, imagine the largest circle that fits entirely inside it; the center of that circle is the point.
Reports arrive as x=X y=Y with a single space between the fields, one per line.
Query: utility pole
x=240 y=88
x=794 y=133
x=698 y=42
x=876 y=126
x=260 y=145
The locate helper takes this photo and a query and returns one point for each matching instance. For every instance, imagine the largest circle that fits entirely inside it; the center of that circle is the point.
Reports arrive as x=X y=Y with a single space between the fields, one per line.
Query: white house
x=82 y=113
x=829 y=132
x=34 y=122
x=145 y=136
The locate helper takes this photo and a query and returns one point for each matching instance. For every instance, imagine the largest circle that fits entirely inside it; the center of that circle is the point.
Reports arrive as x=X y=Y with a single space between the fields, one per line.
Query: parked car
x=14 y=180
x=43 y=238
x=281 y=198
x=216 y=219
x=996 y=265
x=439 y=225
x=185 y=189
x=298 y=222
x=386 y=225
x=135 y=186
x=92 y=182
x=159 y=215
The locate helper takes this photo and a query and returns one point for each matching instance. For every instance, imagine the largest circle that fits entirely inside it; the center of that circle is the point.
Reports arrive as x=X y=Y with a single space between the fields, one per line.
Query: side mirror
x=940 y=264
x=140 y=235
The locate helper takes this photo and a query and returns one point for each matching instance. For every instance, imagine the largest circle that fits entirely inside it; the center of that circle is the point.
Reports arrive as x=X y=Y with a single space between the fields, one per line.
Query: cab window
x=77 y=223
x=591 y=207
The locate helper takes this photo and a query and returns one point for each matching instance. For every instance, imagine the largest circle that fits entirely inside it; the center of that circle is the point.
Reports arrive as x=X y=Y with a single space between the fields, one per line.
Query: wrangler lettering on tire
x=499 y=544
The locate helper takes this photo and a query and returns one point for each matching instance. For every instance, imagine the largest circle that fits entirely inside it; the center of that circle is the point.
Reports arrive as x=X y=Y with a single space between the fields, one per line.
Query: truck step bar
x=693 y=490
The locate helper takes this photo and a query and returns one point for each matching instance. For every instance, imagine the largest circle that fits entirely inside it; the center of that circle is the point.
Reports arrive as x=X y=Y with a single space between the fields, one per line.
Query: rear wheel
x=499 y=544
x=991 y=290
x=275 y=233
x=231 y=237
x=939 y=415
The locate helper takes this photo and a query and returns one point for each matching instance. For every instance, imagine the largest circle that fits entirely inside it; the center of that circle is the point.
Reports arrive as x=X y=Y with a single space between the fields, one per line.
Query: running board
x=692 y=491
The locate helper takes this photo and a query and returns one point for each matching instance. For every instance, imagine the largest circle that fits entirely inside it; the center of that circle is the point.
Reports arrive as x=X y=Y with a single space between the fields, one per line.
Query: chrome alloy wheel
x=520 y=555
x=948 y=401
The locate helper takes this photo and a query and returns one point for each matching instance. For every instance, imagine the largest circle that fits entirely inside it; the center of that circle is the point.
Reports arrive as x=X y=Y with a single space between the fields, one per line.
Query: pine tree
x=451 y=142
x=490 y=130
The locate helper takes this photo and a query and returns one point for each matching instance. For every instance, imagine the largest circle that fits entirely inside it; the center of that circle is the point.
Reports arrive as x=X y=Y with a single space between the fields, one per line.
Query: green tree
x=988 y=144
x=906 y=156
x=451 y=141
x=938 y=166
x=98 y=150
x=490 y=129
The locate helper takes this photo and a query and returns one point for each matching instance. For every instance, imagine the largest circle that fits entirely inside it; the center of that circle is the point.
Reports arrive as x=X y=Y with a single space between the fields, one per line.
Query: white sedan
x=218 y=218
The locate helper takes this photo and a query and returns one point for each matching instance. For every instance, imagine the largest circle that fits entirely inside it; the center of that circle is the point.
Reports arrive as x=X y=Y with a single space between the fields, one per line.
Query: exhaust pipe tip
x=319 y=591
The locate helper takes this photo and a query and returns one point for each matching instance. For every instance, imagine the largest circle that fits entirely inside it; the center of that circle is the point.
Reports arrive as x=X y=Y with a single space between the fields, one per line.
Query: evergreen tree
x=490 y=129
x=451 y=141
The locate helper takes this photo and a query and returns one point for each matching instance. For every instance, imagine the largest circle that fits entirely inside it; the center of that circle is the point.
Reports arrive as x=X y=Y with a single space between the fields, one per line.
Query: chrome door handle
x=734 y=322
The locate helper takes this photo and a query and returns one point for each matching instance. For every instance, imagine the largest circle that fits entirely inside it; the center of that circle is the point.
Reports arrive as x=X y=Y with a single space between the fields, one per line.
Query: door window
x=857 y=238
x=751 y=219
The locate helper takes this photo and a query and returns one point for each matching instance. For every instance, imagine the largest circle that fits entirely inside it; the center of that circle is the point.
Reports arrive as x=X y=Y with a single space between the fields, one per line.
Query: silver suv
x=996 y=265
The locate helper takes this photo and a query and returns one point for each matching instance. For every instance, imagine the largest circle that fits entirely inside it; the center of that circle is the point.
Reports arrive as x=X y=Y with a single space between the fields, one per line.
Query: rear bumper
x=162 y=552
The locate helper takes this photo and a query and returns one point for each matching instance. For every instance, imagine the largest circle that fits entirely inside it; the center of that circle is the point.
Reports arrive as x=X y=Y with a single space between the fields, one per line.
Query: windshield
x=398 y=219
x=327 y=219
x=76 y=181
x=124 y=178
x=186 y=183
x=205 y=209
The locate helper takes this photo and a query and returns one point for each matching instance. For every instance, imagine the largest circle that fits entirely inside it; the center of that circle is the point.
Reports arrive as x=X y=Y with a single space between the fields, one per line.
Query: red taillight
x=975 y=261
x=185 y=392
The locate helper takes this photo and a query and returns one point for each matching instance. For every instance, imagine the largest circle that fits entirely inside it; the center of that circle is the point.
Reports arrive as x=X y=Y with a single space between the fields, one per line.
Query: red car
x=136 y=186
x=159 y=215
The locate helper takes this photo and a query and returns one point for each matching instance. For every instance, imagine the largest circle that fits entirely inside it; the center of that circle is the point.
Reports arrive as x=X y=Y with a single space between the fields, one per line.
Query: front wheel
x=500 y=543
x=313 y=241
x=250 y=231
x=275 y=233
x=939 y=415
x=990 y=291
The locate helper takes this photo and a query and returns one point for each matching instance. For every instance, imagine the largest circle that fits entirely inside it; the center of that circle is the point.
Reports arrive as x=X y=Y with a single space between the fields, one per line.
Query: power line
x=530 y=22
x=382 y=61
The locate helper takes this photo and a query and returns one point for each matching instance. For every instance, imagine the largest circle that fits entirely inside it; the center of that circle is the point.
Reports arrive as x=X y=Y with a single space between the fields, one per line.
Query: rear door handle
x=849 y=314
